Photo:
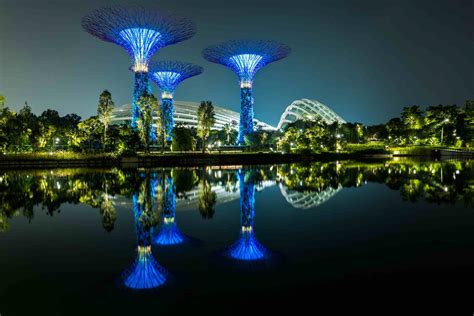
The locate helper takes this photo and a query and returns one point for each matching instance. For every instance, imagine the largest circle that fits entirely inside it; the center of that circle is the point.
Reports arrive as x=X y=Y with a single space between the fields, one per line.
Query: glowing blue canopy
x=145 y=273
x=248 y=248
x=141 y=44
x=169 y=234
x=141 y=31
x=246 y=65
x=246 y=57
x=169 y=74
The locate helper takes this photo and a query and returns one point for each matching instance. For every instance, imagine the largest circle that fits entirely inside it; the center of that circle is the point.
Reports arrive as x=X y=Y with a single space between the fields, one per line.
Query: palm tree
x=104 y=112
x=228 y=131
x=206 y=119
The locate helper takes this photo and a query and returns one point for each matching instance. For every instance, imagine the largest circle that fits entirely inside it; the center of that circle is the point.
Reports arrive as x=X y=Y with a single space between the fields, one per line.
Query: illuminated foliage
x=206 y=120
x=104 y=112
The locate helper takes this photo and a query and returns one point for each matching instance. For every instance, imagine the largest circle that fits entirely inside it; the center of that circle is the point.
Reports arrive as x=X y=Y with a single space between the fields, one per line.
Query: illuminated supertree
x=141 y=32
x=169 y=233
x=247 y=248
x=245 y=58
x=168 y=75
x=145 y=273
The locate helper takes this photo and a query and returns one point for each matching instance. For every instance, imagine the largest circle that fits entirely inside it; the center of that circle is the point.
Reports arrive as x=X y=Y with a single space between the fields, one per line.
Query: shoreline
x=200 y=159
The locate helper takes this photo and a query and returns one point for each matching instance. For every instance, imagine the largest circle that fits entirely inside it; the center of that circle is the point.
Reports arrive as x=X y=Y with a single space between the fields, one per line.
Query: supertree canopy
x=141 y=32
x=168 y=75
x=245 y=58
x=247 y=248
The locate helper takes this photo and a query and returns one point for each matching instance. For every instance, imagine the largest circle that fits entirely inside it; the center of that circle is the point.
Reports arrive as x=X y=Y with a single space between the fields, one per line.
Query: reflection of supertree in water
x=145 y=273
x=169 y=233
x=168 y=75
x=245 y=58
x=141 y=32
x=247 y=248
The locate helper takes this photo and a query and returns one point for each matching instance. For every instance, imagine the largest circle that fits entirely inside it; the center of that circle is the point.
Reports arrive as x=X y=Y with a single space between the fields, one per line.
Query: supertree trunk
x=247 y=201
x=141 y=86
x=246 y=113
x=167 y=107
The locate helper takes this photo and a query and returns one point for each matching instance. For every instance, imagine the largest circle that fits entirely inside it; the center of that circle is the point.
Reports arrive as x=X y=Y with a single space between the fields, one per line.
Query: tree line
x=23 y=131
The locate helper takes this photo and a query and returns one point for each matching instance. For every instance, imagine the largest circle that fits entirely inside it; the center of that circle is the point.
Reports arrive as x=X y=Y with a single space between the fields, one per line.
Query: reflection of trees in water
x=22 y=192
x=437 y=182
x=247 y=247
x=145 y=272
x=207 y=197
x=169 y=233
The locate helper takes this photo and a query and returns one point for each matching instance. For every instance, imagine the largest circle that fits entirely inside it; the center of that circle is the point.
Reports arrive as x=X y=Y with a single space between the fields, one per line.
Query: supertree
x=247 y=248
x=169 y=234
x=145 y=273
x=141 y=32
x=245 y=58
x=168 y=75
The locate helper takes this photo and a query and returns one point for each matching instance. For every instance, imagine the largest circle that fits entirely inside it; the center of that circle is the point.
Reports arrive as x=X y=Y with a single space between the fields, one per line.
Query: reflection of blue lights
x=141 y=44
x=169 y=234
x=246 y=65
x=145 y=273
x=248 y=248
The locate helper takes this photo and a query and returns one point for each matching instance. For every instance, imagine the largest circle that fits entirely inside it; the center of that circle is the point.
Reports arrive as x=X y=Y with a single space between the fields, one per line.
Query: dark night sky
x=365 y=59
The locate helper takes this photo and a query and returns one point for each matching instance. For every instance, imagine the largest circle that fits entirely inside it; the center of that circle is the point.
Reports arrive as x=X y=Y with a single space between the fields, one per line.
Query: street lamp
x=446 y=120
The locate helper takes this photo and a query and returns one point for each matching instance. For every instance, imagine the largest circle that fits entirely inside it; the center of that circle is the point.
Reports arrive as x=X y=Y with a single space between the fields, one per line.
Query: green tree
x=206 y=120
x=412 y=117
x=230 y=133
x=87 y=133
x=148 y=105
x=2 y=101
x=207 y=199
x=441 y=121
x=183 y=139
x=104 y=112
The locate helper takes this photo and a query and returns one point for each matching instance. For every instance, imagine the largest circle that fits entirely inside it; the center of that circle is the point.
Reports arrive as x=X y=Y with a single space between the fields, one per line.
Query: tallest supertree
x=245 y=58
x=141 y=32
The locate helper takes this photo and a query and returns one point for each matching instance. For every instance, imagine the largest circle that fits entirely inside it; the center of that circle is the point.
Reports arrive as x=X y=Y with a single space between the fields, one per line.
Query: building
x=310 y=110
x=185 y=113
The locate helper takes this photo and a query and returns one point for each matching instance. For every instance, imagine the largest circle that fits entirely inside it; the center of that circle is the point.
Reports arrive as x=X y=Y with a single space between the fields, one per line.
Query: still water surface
x=109 y=242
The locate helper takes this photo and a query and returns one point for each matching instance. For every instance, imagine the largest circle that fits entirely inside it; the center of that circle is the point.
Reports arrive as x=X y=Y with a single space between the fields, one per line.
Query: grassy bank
x=69 y=159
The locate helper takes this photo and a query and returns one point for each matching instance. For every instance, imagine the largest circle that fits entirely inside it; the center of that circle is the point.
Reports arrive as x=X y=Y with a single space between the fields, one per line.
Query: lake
x=234 y=239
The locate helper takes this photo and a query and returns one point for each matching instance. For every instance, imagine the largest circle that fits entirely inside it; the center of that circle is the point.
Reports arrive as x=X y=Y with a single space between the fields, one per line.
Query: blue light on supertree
x=245 y=58
x=168 y=75
x=247 y=248
x=169 y=234
x=145 y=273
x=141 y=32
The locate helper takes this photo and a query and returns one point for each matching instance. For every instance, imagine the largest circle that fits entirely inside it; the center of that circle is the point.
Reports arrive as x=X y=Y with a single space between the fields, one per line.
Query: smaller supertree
x=247 y=248
x=168 y=75
x=245 y=58
x=169 y=233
